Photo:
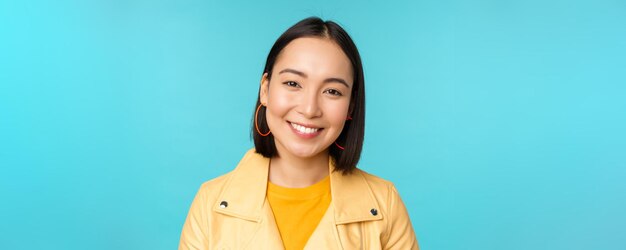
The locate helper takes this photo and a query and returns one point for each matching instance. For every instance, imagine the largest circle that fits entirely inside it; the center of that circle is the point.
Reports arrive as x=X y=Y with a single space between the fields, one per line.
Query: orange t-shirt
x=298 y=211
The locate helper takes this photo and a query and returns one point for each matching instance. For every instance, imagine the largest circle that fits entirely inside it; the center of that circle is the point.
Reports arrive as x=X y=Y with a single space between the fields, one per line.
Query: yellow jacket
x=232 y=212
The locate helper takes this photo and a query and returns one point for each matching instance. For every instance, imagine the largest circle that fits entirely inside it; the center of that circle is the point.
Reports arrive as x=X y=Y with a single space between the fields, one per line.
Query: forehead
x=317 y=57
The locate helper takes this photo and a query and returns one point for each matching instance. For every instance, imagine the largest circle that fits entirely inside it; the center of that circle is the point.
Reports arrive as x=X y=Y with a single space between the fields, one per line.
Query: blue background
x=502 y=123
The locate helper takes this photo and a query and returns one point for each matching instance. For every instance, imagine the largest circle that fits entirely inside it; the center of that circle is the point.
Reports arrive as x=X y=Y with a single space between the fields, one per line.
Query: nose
x=309 y=105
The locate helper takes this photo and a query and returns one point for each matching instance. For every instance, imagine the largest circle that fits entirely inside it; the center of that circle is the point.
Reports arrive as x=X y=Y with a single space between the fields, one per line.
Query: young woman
x=299 y=188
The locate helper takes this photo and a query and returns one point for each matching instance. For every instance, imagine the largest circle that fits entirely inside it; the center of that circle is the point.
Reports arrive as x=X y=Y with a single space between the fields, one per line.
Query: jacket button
x=374 y=211
x=223 y=204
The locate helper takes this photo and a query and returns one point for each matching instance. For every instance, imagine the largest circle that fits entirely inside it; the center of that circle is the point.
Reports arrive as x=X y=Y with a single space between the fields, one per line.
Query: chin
x=304 y=151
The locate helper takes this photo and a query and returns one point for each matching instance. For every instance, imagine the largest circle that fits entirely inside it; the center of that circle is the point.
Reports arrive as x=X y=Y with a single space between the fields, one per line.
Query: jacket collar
x=245 y=192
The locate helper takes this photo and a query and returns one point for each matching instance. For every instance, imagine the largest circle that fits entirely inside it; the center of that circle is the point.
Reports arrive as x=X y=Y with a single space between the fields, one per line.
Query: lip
x=304 y=125
x=302 y=135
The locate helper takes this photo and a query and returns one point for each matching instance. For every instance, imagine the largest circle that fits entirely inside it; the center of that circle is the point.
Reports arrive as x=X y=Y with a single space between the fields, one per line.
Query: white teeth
x=303 y=129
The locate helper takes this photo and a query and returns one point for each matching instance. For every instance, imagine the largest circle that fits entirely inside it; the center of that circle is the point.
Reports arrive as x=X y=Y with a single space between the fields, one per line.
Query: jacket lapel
x=353 y=198
x=352 y=201
x=244 y=194
x=267 y=236
x=325 y=235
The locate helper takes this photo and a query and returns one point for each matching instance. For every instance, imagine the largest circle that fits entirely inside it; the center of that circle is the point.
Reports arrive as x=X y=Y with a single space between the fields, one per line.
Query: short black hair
x=352 y=135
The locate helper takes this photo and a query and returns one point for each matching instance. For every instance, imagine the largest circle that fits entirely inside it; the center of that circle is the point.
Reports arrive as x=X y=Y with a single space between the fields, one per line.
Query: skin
x=310 y=85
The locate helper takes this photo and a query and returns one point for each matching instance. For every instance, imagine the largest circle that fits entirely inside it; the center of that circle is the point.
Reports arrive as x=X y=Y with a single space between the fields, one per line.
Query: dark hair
x=351 y=137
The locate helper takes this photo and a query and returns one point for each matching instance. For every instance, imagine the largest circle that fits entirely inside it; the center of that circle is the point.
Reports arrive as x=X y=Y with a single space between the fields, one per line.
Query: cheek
x=278 y=103
x=336 y=114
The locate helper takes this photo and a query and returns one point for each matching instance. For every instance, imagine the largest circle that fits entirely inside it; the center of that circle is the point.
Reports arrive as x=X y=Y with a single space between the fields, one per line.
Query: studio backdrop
x=502 y=123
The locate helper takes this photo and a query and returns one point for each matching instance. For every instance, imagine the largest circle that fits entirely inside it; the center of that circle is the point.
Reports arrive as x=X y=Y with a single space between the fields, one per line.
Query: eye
x=334 y=92
x=292 y=84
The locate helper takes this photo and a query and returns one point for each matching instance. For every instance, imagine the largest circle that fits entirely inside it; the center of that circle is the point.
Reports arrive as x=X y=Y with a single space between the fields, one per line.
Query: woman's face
x=308 y=96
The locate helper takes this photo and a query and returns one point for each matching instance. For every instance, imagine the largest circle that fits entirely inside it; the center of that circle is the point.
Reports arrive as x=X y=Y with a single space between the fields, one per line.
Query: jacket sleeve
x=195 y=231
x=400 y=231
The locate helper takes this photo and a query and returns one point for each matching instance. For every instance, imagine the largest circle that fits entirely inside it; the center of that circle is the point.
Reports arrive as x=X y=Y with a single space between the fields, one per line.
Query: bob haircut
x=352 y=135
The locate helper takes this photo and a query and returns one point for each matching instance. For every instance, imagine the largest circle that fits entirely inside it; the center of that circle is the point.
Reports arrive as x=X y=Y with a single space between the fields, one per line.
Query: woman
x=299 y=188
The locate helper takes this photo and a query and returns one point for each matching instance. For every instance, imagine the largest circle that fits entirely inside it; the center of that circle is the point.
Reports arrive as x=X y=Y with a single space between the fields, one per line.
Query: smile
x=304 y=130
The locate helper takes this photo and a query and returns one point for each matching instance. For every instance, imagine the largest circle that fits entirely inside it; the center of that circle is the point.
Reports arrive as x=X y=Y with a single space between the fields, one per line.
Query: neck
x=294 y=172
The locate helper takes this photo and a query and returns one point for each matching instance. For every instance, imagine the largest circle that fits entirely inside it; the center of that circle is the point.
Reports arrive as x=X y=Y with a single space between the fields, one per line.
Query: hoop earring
x=256 y=125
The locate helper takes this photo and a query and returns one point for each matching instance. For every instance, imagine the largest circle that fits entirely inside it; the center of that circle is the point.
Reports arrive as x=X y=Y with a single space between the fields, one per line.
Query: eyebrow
x=327 y=80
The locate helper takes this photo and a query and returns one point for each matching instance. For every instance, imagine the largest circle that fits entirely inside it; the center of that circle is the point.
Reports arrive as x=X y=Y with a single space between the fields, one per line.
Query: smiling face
x=307 y=96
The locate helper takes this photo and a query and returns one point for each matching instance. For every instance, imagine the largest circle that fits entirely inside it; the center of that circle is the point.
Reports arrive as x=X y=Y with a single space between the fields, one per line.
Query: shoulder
x=398 y=228
x=210 y=190
x=214 y=187
x=376 y=183
x=384 y=191
x=375 y=180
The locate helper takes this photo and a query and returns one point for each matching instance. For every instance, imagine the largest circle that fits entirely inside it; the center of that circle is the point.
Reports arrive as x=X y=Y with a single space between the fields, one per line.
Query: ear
x=264 y=90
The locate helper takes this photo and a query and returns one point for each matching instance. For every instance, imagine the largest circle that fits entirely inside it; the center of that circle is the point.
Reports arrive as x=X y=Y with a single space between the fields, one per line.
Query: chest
x=229 y=232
